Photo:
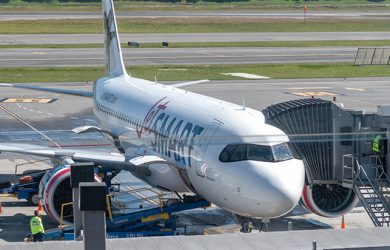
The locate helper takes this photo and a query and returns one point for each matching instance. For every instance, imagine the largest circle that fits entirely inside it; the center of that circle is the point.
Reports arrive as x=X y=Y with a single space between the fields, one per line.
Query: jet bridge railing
x=350 y=170
x=376 y=165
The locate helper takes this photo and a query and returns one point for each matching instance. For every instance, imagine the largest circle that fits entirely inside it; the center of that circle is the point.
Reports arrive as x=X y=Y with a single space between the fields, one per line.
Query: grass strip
x=359 y=43
x=21 y=6
x=195 y=72
x=192 y=25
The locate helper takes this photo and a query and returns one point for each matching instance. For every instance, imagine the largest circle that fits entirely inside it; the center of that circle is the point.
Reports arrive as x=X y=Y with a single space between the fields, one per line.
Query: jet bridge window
x=242 y=152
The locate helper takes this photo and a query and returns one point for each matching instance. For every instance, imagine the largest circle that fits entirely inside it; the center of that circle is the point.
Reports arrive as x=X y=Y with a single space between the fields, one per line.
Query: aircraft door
x=207 y=136
x=205 y=140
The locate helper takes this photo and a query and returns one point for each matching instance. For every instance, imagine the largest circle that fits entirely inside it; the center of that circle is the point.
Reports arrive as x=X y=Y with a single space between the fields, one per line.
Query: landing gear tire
x=33 y=199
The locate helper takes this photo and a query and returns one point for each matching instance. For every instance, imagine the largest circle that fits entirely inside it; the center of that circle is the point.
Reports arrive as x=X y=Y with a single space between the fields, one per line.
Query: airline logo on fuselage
x=173 y=137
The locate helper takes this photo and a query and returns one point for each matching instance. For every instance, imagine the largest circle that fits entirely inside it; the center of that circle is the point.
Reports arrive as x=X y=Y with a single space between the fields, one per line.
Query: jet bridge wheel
x=329 y=200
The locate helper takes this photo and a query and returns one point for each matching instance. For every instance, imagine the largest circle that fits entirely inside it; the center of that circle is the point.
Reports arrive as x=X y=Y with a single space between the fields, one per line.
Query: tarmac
x=367 y=238
x=15 y=216
x=220 y=230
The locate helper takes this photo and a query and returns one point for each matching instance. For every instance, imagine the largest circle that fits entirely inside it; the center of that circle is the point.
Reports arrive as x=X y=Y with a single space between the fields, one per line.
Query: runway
x=178 y=56
x=298 y=14
x=20 y=39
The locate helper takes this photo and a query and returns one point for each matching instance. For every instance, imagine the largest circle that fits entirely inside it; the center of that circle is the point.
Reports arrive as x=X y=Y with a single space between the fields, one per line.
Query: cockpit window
x=241 y=152
x=282 y=152
x=260 y=153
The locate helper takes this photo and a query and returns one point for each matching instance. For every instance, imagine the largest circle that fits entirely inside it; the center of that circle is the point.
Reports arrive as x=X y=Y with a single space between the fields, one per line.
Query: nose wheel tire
x=33 y=199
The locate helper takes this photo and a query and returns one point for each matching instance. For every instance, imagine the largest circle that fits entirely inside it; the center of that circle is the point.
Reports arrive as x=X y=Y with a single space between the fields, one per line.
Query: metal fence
x=372 y=56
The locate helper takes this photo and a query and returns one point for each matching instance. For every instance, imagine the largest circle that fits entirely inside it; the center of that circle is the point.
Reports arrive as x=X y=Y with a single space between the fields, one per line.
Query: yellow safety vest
x=376 y=147
x=36 y=225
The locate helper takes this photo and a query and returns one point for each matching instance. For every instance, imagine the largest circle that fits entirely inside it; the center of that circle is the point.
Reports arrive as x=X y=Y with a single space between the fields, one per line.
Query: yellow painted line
x=162 y=216
x=308 y=94
x=28 y=100
x=355 y=89
x=8 y=195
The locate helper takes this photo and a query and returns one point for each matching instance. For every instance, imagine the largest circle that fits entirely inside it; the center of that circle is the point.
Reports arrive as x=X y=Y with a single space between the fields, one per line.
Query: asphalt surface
x=162 y=56
x=298 y=14
x=20 y=39
x=31 y=122
x=67 y=112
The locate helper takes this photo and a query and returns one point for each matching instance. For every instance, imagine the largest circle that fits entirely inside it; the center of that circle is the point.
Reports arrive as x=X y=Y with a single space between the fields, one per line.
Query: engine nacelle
x=55 y=190
x=329 y=200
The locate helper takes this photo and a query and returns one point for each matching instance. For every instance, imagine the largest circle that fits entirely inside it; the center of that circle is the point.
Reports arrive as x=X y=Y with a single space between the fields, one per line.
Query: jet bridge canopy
x=320 y=133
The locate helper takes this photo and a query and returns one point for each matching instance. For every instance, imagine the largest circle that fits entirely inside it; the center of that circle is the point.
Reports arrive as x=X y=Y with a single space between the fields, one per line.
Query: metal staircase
x=374 y=192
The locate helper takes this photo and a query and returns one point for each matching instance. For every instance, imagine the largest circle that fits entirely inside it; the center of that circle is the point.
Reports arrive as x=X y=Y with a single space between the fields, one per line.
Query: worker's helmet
x=36 y=212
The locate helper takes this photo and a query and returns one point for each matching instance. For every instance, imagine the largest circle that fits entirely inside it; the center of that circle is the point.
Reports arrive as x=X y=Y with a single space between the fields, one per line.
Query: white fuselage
x=190 y=131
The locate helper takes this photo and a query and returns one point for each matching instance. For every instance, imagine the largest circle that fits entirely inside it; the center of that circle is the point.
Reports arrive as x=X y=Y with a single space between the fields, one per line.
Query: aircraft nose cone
x=285 y=185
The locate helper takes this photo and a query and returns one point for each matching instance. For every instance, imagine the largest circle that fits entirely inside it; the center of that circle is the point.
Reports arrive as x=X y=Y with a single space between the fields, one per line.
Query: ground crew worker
x=377 y=145
x=36 y=225
x=379 y=149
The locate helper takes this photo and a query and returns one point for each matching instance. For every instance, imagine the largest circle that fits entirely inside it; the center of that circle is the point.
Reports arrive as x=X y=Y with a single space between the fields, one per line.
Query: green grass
x=185 y=25
x=21 y=6
x=209 y=44
x=192 y=72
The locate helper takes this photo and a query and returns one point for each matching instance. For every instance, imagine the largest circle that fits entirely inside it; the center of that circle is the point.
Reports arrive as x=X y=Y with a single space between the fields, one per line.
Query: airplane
x=178 y=141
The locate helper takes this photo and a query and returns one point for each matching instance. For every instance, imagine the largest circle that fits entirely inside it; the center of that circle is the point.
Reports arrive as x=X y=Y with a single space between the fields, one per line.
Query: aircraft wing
x=111 y=159
x=85 y=93
x=54 y=90
x=184 y=84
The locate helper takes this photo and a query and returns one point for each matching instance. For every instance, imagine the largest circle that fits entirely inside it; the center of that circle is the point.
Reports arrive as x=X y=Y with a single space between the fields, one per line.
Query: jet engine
x=55 y=190
x=328 y=200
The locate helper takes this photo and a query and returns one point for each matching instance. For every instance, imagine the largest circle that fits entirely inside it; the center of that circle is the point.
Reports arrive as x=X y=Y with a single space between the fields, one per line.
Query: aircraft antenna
x=243 y=103
x=155 y=79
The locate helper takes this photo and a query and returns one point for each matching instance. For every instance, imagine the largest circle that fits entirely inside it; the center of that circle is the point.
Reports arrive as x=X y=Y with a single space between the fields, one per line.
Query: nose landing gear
x=248 y=224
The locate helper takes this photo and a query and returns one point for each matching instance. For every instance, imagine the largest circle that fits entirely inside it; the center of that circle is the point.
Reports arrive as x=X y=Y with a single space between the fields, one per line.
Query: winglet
x=114 y=61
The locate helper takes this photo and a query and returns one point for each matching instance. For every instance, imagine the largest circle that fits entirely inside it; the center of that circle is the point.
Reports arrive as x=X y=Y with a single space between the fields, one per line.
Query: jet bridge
x=336 y=148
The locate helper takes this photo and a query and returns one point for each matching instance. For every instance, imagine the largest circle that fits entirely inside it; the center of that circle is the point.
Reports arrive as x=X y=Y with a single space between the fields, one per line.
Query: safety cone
x=40 y=209
x=343 y=225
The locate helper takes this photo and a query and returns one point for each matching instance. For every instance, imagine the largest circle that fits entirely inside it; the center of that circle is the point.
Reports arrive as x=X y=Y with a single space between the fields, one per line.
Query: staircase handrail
x=375 y=189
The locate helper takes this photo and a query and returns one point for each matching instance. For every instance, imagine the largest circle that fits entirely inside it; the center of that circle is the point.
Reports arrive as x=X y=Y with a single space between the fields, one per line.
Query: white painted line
x=28 y=125
x=355 y=89
x=31 y=110
x=75 y=118
x=299 y=88
x=50 y=114
x=246 y=75
x=39 y=112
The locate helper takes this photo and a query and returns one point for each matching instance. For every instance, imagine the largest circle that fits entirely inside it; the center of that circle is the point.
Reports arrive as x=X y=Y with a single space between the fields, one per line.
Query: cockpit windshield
x=254 y=152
